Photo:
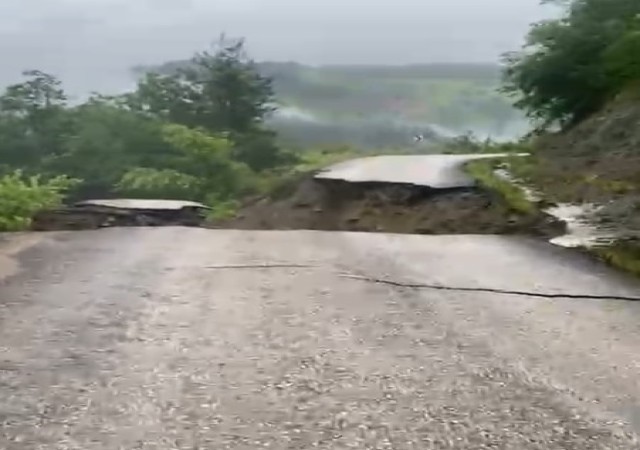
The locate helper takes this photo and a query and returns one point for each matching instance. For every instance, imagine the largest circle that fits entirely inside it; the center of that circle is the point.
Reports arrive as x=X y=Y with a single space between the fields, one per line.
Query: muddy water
x=582 y=230
x=582 y=227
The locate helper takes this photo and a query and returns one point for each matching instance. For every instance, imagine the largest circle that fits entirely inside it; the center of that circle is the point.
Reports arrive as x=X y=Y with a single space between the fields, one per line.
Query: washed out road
x=175 y=338
x=436 y=171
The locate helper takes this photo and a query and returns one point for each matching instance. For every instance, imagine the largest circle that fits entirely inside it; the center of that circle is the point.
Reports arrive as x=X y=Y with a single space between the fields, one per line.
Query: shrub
x=21 y=197
x=160 y=183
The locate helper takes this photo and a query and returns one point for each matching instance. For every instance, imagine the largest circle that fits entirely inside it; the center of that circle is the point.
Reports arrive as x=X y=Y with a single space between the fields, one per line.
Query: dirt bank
x=89 y=217
x=596 y=161
x=382 y=207
x=597 y=164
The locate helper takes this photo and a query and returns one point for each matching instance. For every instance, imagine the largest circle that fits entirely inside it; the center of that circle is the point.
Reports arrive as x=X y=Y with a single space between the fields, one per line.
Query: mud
x=336 y=205
x=94 y=217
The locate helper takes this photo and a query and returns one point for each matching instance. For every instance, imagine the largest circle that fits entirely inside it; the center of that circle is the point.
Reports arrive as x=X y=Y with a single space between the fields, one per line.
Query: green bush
x=160 y=183
x=21 y=197
x=570 y=67
x=622 y=59
x=514 y=197
x=221 y=209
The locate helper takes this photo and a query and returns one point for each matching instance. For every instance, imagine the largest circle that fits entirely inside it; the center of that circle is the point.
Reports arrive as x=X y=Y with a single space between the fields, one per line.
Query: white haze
x=91 y=44
x=514 y=129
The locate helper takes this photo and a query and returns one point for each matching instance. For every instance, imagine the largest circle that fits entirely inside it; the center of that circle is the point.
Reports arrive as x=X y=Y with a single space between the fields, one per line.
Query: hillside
x=595 y=162
x=381 y=106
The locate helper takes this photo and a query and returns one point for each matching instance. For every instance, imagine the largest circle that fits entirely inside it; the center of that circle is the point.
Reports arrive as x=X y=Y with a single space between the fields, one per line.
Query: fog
x=303 y=128
x=91 y=44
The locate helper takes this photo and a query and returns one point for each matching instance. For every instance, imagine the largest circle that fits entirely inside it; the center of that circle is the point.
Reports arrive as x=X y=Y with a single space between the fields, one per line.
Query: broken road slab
x=435 y=171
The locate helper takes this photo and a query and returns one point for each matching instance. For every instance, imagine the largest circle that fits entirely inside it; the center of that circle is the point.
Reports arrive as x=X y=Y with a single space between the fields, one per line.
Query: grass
x=515 y=198
x=622 y=255
x=616 y=187
x=282 y=184
x=223 y=211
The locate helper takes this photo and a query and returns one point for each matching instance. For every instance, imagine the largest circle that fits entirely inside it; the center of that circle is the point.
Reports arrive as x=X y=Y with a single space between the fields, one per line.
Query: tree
x=160 y=183
x=33 y=120
x=622 y=58
x=106 y=142
x=209 y=158
x=41 y=93
x=202 y=170
x=231 y=95
x=220 y=92
x=561 y=75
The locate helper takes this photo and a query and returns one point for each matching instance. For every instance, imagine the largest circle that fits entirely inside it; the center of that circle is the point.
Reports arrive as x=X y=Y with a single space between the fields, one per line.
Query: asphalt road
x=436 y=171
x=173 y=338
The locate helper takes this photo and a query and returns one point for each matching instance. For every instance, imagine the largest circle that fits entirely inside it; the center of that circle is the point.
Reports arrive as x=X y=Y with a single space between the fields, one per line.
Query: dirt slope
x=396 y=208
x=597 y=161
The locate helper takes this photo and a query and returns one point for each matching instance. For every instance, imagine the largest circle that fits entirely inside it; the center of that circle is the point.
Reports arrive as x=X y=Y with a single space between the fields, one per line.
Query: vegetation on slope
x=514 y=196
x=572 y=66
x=198 y=134
x=581 y=73
x=21 y=197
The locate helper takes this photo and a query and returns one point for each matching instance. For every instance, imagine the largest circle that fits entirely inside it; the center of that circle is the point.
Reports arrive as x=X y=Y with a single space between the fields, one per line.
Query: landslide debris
x=119 y=213
x=596 y=161
x=315 y=204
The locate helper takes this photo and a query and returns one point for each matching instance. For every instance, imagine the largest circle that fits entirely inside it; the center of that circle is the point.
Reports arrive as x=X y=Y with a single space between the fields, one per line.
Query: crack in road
x=260 y=266
x=439 y=287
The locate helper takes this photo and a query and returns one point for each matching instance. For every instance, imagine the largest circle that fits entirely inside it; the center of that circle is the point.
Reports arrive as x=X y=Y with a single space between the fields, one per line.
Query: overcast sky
x=91 y=44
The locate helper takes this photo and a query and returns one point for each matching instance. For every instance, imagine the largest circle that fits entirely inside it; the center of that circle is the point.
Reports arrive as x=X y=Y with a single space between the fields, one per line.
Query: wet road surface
x=436 y=171
x=174 y=338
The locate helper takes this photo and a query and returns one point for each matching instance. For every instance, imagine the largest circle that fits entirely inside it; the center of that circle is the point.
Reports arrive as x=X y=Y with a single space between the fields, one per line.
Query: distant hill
x=487 y=71
x=457 y=97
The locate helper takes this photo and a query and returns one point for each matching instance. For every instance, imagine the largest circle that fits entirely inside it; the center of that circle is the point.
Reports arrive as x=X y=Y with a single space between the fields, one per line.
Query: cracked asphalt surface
x=436 y=171
x=175 y=338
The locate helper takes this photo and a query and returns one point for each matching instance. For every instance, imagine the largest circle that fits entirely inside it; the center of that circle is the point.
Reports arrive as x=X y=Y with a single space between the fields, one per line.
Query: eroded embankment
x=393 y=208
x=94 y=217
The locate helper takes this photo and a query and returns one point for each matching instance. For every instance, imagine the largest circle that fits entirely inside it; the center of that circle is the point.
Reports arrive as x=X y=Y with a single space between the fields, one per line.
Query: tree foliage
x=144 y=182
x=220 y=92
x=571 y=66
x=198 y=134
x=34 y=120
x=21 y=197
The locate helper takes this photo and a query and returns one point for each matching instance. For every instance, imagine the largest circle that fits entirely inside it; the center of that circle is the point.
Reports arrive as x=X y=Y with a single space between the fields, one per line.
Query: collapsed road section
x=422 y=194
x=427 y=194
x=92 y=214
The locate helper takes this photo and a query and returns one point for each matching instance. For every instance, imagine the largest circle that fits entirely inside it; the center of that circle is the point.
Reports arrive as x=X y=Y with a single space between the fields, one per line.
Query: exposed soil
x=393 y=208
x=93 y=217
x=597 y=161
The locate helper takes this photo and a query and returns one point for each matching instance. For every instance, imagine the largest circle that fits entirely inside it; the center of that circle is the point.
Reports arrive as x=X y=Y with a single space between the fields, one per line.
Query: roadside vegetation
x=22 y=196
x=578 y=79
x=196 y=134
x=204 y=129
x=484 y=172
x=572 y=66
